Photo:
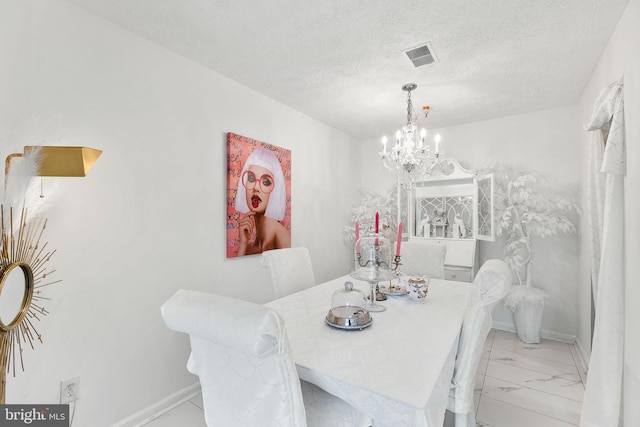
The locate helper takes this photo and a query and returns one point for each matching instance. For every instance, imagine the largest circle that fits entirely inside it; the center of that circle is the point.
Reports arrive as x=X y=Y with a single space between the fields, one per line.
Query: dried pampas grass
x=19 y=187
x=22 y=189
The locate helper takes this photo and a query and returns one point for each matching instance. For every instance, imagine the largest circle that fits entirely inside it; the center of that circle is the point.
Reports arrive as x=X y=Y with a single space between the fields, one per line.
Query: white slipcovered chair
x=240 y=352
x=492 y=283
x=423 y=258
x=290 y=268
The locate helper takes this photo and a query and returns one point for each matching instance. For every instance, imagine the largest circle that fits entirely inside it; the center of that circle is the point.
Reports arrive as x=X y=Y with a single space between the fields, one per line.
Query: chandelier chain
x=409 y=108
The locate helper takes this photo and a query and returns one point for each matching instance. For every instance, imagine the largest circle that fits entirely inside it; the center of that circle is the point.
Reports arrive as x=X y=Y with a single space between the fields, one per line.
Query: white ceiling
x=343 y=62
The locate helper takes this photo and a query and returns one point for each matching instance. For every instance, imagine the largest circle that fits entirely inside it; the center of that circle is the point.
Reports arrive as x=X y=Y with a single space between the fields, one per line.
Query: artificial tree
x=529 y=206
x=364 y=213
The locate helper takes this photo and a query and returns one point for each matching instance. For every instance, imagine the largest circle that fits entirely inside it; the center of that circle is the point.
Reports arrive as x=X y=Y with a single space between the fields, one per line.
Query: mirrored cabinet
x=454 y=208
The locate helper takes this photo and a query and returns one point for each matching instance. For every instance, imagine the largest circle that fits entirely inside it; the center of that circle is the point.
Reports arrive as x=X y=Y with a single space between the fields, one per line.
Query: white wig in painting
x=278 y=199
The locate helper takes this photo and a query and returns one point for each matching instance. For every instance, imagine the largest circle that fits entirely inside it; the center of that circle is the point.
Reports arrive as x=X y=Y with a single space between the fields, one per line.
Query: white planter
x=527 y=306
x=528 y=320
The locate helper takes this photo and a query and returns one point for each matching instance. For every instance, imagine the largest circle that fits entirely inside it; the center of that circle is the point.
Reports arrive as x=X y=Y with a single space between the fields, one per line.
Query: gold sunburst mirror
x=23 y=261
x=23 y=274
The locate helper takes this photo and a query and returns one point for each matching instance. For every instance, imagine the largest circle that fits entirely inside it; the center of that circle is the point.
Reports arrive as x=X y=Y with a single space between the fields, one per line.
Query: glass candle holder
x=373 y=256
x=373 y=264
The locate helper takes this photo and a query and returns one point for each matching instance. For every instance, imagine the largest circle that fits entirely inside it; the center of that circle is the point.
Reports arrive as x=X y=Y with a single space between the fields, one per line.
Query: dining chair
x=240 y=352
x=290 y=268
x=423 y=259
x=491 y=284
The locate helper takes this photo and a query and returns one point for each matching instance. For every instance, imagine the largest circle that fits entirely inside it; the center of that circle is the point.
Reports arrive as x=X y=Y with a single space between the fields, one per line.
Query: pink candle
x=357 y=237
x=399 y=239
x=377 y=222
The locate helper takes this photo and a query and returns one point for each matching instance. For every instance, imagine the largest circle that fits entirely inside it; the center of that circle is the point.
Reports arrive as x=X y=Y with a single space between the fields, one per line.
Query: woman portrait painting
x=258 y=217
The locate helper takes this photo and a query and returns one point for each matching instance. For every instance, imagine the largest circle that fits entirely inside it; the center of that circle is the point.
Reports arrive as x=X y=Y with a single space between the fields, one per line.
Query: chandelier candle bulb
x=437 y=143
x=384 y=145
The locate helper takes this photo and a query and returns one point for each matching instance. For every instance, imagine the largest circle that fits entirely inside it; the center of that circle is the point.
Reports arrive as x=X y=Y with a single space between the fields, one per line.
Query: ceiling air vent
x=421 y=55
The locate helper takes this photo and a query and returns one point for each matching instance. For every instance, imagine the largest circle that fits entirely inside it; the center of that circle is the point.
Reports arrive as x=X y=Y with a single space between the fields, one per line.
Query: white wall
x=546 y=141
x=621 y=57
x=150 y=217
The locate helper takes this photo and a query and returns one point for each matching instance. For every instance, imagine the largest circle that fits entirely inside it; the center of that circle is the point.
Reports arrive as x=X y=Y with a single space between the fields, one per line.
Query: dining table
x=398 y=370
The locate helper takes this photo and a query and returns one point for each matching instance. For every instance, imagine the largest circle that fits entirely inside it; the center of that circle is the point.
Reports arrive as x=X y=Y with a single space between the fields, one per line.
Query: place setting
x=413 y=286
x=393 y=288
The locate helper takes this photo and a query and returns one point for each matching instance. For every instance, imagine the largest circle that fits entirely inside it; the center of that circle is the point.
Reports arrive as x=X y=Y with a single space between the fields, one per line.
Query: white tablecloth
x=397 y=370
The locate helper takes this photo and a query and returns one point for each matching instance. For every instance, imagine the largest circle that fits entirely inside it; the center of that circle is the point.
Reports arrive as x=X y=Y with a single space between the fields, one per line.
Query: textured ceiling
x=343 y=63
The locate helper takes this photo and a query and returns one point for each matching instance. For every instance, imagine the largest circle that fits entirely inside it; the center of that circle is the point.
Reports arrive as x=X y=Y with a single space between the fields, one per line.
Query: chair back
x=241 y=354
x=423 y=258
x=290 y=268
x=492 y=284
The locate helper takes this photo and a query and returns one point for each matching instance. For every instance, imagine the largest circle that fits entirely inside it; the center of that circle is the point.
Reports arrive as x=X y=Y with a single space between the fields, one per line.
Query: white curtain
x=603 y=395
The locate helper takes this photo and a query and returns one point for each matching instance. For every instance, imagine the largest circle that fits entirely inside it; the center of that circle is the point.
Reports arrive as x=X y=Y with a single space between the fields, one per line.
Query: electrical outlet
x=69 y=390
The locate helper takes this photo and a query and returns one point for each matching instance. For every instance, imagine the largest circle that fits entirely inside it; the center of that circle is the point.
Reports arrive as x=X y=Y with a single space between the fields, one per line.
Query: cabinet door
x=458 y=274
x=460 y=253
x=483 y=221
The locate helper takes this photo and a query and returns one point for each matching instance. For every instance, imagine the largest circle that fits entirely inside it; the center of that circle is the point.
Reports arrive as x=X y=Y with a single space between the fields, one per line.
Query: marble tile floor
x=517 y=384
x=527 y=385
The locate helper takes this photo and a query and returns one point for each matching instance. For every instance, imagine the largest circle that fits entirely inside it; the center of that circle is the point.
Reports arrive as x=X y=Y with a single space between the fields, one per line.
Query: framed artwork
x=258 y=196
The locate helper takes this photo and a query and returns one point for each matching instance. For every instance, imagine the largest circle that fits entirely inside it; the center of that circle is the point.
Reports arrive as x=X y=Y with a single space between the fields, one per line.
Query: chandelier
x=410 y=159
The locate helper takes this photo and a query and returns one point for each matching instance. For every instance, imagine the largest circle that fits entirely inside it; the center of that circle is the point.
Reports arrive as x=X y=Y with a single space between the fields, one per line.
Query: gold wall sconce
x=59 y=161
x=23 y=271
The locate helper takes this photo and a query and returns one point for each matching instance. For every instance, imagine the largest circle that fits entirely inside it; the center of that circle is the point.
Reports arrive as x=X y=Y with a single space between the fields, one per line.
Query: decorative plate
x=396 y=289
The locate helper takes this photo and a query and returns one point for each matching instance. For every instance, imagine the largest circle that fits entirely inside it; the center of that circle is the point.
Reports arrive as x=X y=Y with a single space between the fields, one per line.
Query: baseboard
x=156 y=409
x=502 y=326
x=557 y=336
x=544 y=333
x=582 y=356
